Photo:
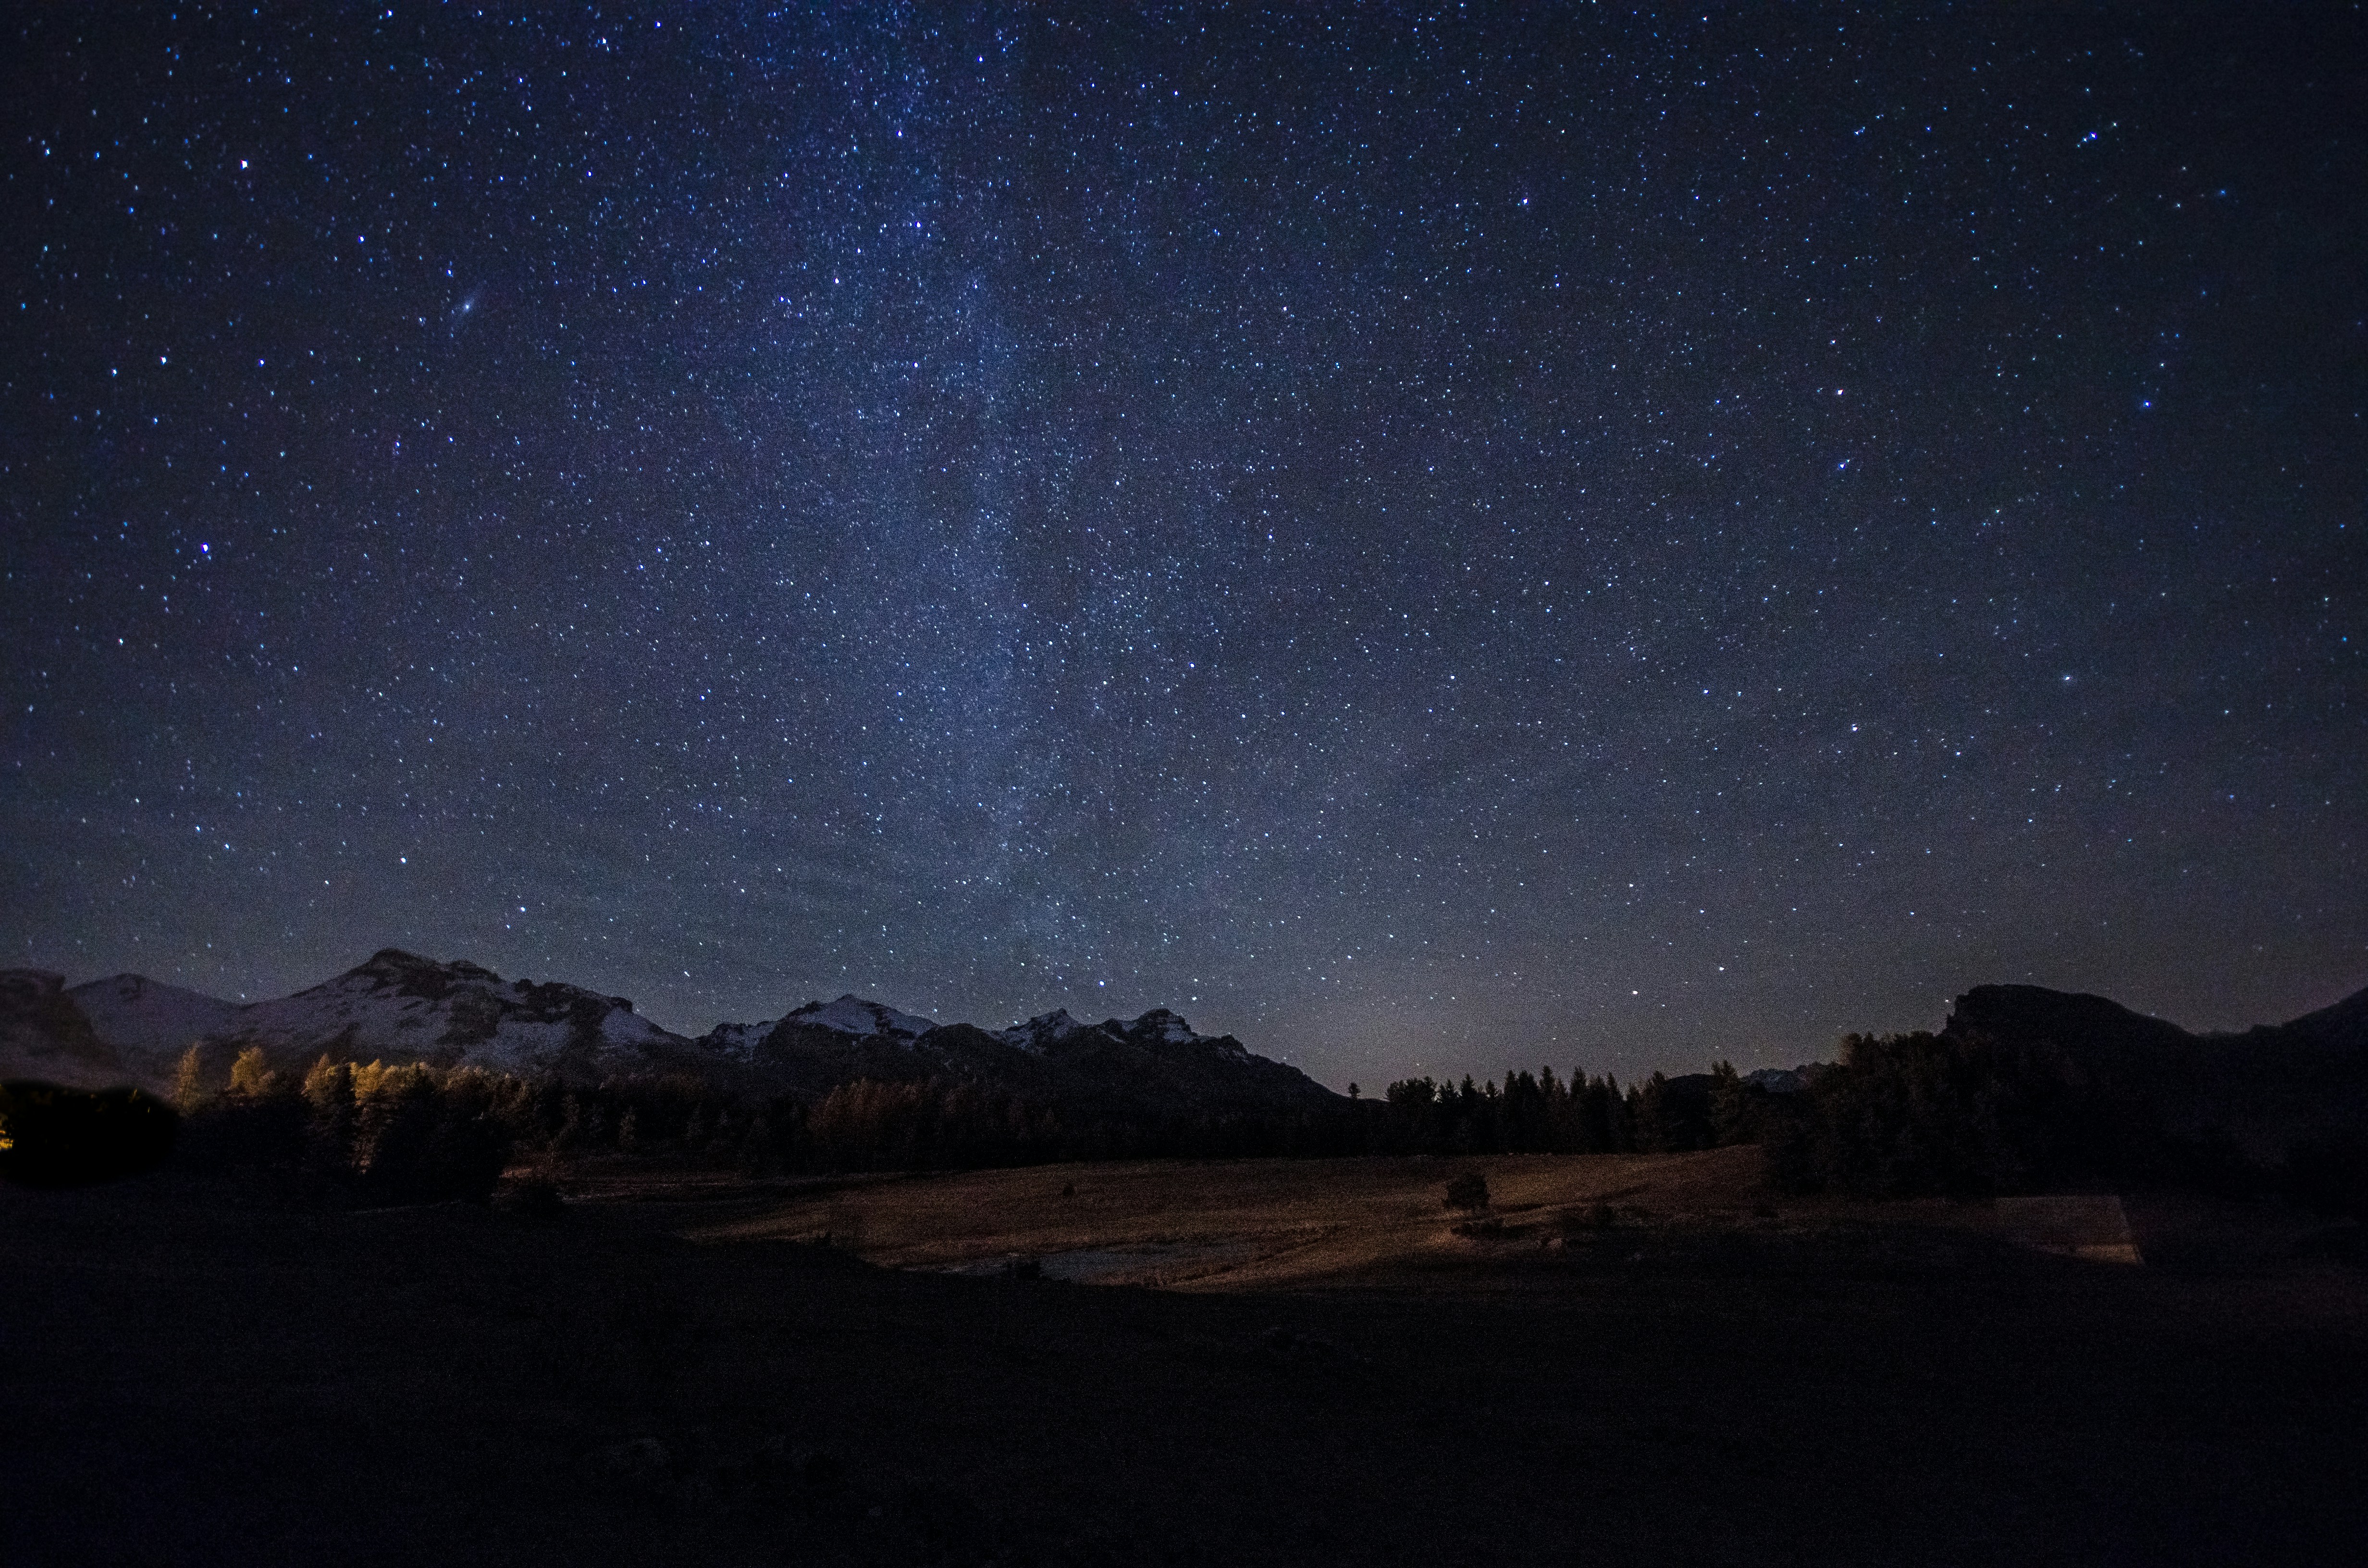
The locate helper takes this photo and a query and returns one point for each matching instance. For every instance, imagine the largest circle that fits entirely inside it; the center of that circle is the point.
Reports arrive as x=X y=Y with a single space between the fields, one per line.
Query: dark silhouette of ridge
x=2344 y=1023
x=2262 y=1087
x=2025 y=1013
x=2080 y=1021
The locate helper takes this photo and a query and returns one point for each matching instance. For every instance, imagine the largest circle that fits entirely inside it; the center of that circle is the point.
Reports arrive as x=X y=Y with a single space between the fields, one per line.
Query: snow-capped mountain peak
x=1158 y=1027
x=859 y=1016
x=1163 y=1026
x=738 y=1041
x=400 y=1005
x=1042 y=1030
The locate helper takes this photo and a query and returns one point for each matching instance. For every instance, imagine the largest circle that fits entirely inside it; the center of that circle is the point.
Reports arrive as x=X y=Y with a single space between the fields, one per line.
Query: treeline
x=413 y=1133
x=375 y=1133
x=1963 y=1116
x=939 y=1124
x=367 y=1134
x=1579 y=1115
x=1957 y=1114
x=1901 y=1115
x=929 y=1124
x=1926 y=1114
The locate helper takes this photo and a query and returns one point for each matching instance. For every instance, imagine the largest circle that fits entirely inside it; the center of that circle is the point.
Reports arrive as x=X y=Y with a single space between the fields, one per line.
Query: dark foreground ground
x=190 y=1380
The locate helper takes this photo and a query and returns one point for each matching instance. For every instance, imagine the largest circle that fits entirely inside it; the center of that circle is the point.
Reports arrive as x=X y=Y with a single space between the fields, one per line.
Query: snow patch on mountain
x=1158 y=1027
x=860 y=1017
x=400 y=1006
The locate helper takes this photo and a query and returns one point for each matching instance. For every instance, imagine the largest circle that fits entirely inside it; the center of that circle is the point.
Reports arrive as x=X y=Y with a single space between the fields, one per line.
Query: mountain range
x=398 y=1007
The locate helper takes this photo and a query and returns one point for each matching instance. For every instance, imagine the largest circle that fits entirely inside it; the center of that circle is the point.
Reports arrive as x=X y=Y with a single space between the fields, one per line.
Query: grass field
x=671 y=1371
x=1301 y=1224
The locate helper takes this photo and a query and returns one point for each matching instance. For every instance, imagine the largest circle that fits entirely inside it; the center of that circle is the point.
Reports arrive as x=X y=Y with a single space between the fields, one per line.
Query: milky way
x=1433 y=544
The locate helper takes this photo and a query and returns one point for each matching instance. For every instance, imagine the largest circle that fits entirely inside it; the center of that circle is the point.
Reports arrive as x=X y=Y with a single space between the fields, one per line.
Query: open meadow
x=1370 y=1223
x=1622 y=1358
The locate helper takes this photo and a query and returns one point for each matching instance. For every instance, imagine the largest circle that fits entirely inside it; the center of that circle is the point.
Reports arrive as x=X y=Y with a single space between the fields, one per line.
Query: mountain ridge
x=400 y=1006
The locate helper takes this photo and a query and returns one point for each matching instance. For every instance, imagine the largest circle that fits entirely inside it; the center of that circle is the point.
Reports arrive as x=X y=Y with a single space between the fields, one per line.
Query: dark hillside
x=2025 y=1089
x=2098 y=1027
x=2341 y=1026
x=2262 y=1089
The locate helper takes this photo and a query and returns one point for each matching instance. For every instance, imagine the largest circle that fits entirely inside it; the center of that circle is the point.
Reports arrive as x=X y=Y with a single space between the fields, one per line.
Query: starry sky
x=1432 y=540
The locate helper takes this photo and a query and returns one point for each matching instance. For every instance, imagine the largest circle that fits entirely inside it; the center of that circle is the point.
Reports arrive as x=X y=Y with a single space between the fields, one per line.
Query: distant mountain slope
x=399 y=1007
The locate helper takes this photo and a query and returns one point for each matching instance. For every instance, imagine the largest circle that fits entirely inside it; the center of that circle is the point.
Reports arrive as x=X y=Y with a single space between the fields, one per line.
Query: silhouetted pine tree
x=1733 y=1117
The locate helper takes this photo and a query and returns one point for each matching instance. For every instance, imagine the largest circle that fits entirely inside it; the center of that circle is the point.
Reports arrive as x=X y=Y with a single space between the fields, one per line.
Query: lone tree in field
x=1469 y=1190
x=190 y=1081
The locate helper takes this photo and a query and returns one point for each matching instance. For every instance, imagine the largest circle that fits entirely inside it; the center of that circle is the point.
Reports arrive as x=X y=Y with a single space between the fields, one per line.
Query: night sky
x=1431 y=541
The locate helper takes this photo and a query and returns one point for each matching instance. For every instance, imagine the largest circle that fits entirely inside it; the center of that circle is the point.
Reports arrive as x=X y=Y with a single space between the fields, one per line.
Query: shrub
x=464 y=1160
x=1468 y=1191
x=1593 y=1216
x=536 y=1197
